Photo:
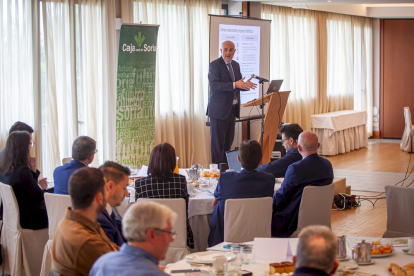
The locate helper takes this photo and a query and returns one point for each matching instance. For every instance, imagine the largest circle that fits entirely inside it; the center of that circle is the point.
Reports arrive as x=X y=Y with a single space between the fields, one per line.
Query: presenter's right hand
x=241 y=84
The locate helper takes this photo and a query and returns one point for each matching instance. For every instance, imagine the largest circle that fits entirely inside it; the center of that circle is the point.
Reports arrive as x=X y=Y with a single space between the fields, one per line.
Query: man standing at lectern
x=223 y=107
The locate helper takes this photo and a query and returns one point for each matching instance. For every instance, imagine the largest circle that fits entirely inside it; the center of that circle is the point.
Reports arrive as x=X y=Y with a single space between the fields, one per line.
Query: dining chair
x=247 y=218
x=21 y=248
x=121 y=209
x=178 y=248
x=400 y=212
x=315 y=207
x=56 y=206
x=66 y=160
x=407 y=141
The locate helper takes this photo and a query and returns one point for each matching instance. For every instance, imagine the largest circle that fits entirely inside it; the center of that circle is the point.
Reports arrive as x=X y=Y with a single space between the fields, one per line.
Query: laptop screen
x=232 y=160
x=274 y=86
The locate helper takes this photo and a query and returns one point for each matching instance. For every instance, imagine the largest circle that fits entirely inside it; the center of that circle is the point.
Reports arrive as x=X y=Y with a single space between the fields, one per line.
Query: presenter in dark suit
x=312 y=170
x=248 y=183
x=223 y=107
x=83 y=153
x=117 y=179
x=290 y=134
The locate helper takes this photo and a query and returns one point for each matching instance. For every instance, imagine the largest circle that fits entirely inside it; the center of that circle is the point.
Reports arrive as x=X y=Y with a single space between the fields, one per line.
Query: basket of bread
x=213 y=174
x=381 y=250
x=396 y=270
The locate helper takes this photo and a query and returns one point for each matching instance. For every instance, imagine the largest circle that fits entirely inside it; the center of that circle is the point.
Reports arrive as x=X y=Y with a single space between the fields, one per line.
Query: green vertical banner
x=135 y=102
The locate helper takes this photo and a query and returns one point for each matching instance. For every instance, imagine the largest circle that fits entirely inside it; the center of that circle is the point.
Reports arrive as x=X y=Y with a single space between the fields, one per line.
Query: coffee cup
x=411 y=245
x=218 y=263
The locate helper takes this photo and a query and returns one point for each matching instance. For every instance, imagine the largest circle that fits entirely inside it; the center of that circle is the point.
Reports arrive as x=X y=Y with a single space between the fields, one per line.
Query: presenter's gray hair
x=142 y=216
x=83 y=147
x=316 y=248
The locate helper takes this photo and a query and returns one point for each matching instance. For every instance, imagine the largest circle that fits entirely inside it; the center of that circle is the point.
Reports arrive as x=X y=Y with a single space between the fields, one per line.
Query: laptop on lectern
x=232 y=160
x=274 y=86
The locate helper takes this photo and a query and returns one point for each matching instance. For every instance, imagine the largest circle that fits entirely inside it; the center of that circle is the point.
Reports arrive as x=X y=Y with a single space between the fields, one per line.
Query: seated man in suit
x=290 y=134
x=312 y=170
x=248 y=183
x=83 y=152
x=116 y=177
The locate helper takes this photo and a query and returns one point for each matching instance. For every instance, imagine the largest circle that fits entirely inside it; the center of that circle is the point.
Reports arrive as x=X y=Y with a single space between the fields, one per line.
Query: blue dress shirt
x=129 y=260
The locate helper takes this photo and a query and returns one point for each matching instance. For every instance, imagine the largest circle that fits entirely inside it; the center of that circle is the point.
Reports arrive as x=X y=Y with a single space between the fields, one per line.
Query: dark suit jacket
x=279 y=167
x=245 y=184
x=311 y=171
x=149 y=187
x=112 y=226
x=221 y=89
x=62 y=174
x=29 y=197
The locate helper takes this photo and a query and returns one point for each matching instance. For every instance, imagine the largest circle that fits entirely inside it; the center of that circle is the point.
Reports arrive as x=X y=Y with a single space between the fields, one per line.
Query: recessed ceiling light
x=329 y=1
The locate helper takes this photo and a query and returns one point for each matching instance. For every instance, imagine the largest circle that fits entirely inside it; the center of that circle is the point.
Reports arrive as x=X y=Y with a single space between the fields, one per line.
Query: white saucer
x=344 y=259
x=350 y=266
x=406 y=251
x=372 y=262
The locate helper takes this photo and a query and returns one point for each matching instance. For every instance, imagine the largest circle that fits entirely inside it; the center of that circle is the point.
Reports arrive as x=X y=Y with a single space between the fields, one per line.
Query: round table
x=261 y=268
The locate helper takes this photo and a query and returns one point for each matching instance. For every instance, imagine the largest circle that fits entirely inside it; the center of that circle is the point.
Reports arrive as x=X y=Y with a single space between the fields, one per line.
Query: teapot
x=193 y=174
x=363 y=252
x=197 y=166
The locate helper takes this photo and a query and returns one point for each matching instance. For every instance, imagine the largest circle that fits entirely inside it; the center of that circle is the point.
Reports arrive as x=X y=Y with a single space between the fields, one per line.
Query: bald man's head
x=308 y=143
x=227 y=50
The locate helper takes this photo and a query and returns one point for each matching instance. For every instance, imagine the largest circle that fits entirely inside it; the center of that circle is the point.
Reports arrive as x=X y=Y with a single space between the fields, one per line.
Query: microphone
x=259 y=78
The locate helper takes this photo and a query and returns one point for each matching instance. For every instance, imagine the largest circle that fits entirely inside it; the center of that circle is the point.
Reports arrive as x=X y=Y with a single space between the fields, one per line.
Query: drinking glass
x=133 y=169
x=247 y=255
x=204 y=185
x=235 y=252
x=232 y=269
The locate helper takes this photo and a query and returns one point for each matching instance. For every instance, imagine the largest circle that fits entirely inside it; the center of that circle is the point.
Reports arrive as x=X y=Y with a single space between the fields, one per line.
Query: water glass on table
x=247 y=255
x=204 y=185
x=232 y=269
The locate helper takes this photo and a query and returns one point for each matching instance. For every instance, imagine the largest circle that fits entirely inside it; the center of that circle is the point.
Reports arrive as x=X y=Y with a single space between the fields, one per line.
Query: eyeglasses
x=283 y=140
x=173 y=234
x=32 y=144
x=95 y=151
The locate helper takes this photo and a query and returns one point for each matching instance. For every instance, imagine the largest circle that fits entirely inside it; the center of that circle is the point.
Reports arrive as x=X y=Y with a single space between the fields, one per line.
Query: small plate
x=202 y=257
x=344 y=259
x=407 y=251
x=350 y=266
x=400 y=242
x=383 y=255
x=372 y=262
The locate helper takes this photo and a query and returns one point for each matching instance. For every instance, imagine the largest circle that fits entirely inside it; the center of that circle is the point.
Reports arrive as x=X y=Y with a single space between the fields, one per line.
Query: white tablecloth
x=261 y=267
x=340 y=131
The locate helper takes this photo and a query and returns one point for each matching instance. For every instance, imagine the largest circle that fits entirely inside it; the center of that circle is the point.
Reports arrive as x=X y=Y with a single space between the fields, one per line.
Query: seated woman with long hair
x=18 y=170
x=162 y=182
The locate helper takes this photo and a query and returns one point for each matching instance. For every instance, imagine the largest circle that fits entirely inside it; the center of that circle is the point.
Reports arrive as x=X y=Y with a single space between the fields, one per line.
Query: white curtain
x=325 y=59
x=97 y=74
x=293 y=58
x=350 y=64
x=181 y=89
x=60 y=115
x=79 y=93
x=19 y=68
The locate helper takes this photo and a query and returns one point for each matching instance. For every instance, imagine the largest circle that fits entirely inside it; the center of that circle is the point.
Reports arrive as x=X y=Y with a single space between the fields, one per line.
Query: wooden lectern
x=272 y=120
